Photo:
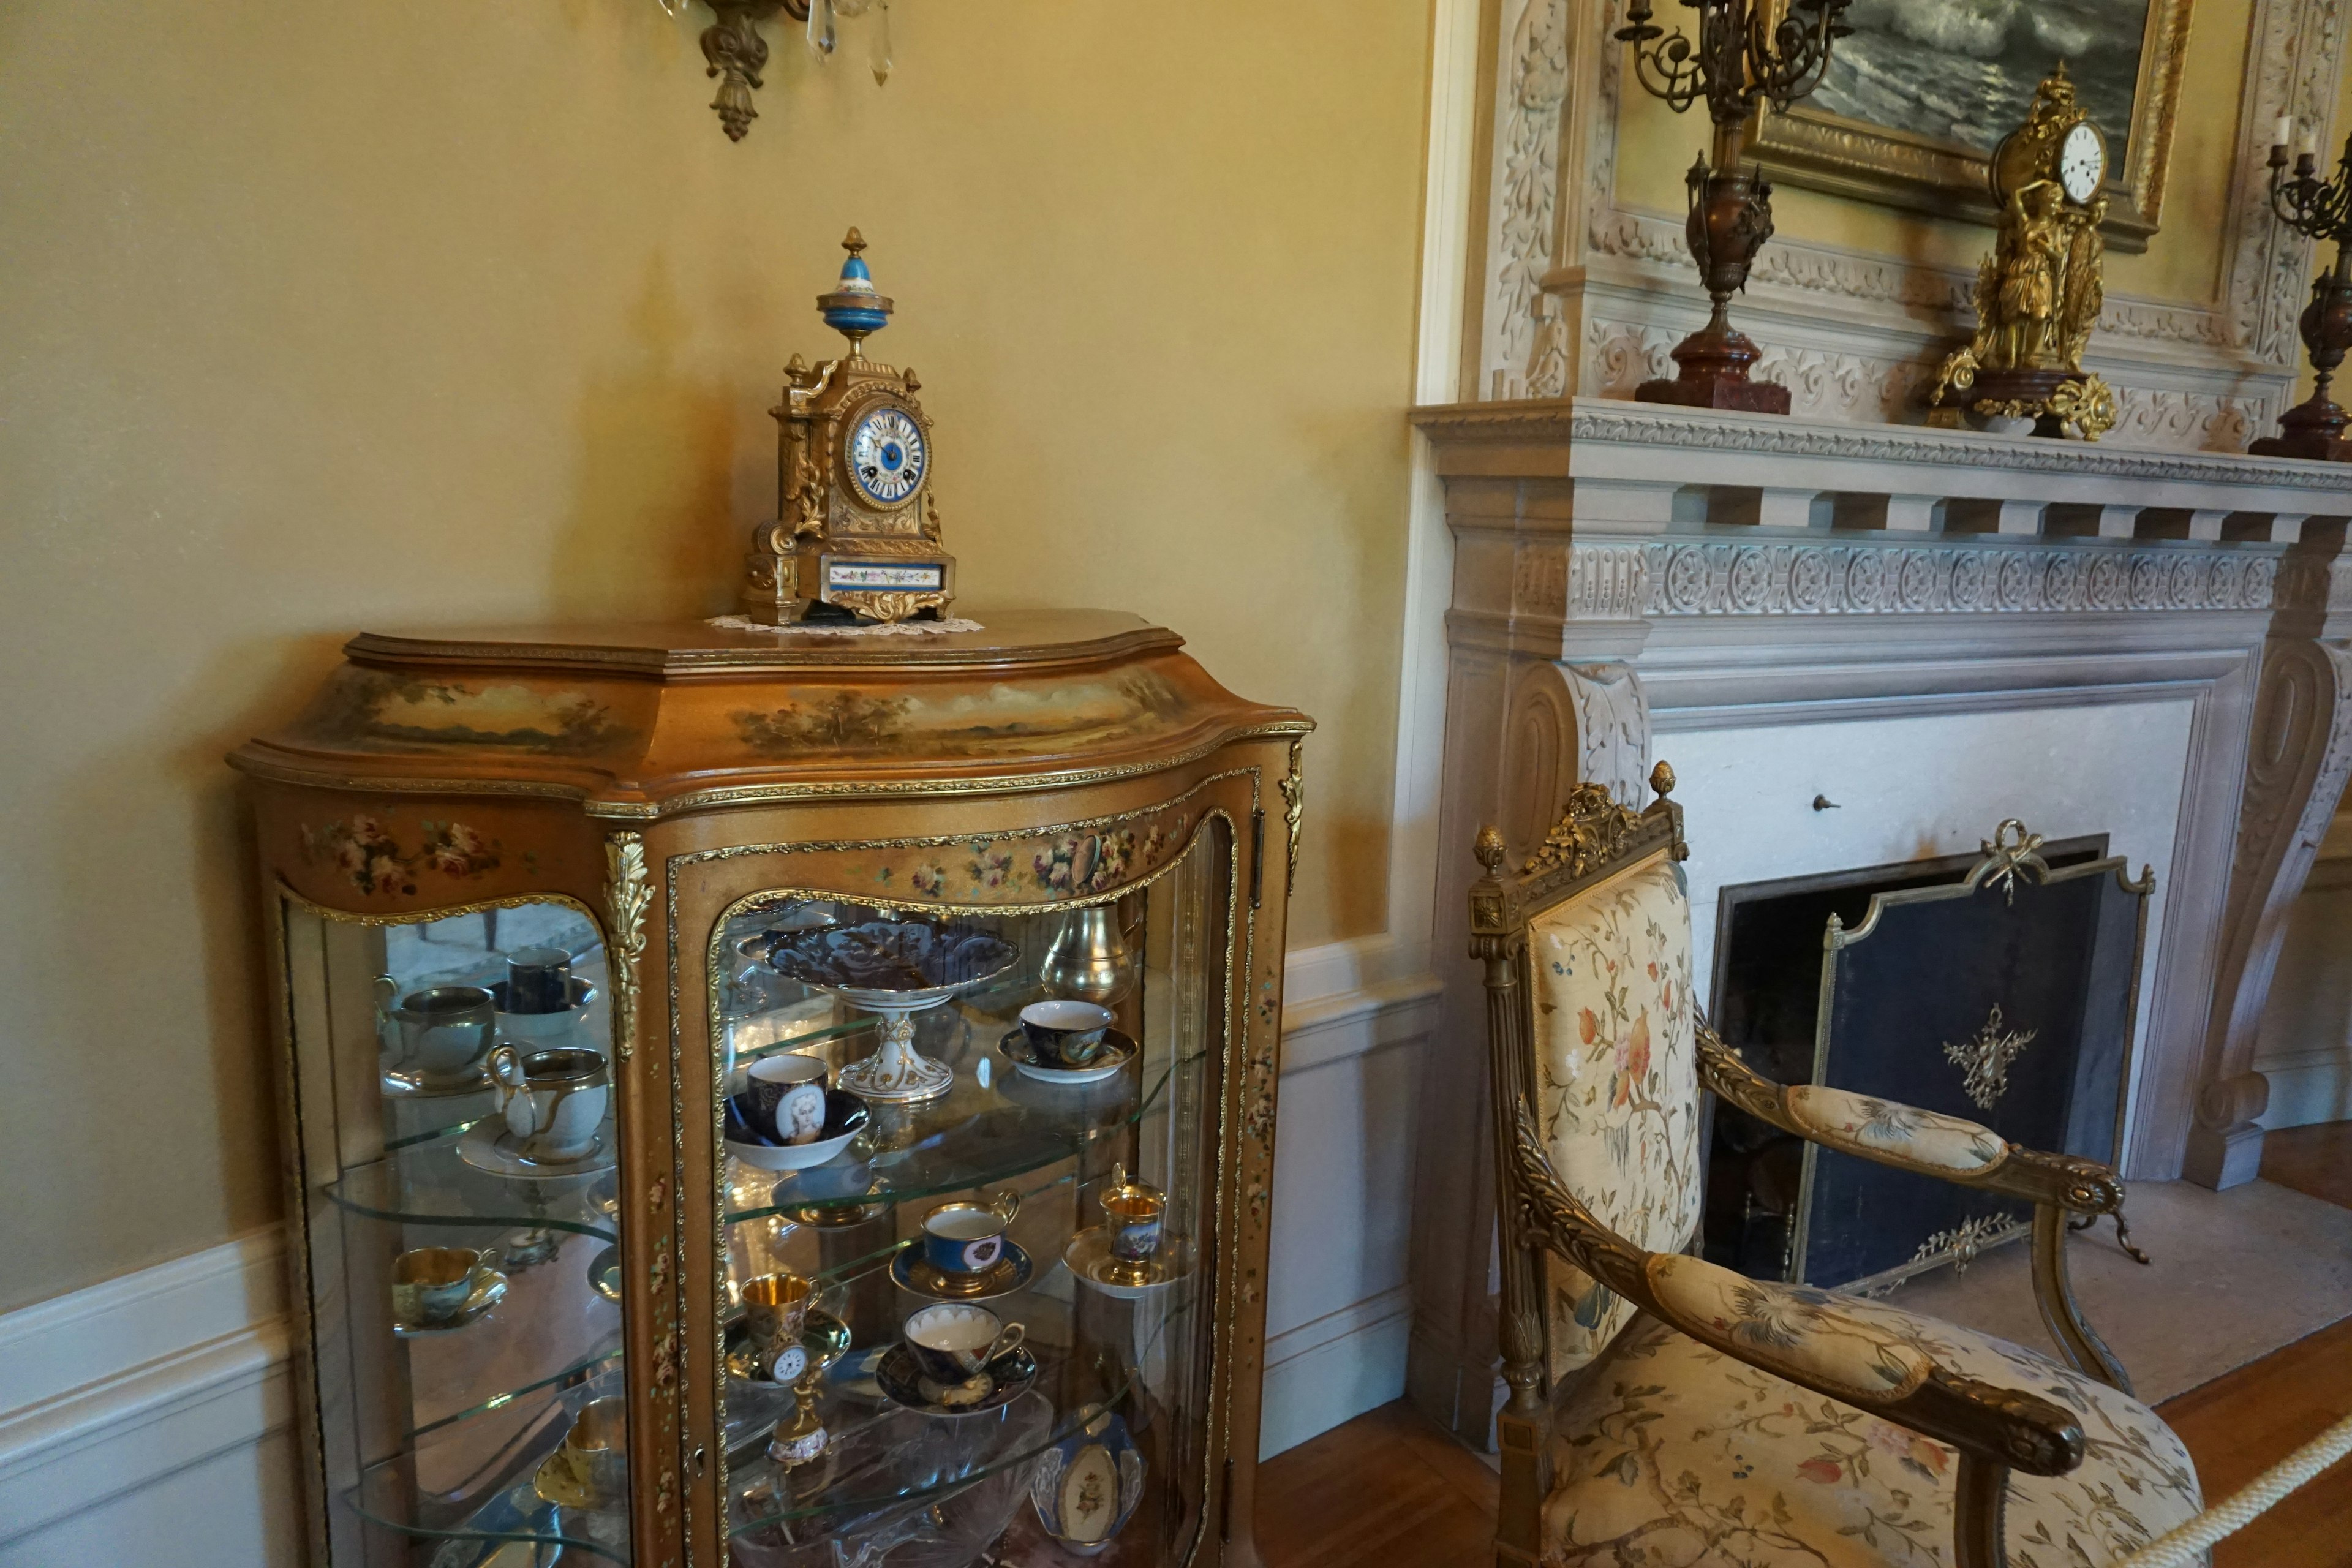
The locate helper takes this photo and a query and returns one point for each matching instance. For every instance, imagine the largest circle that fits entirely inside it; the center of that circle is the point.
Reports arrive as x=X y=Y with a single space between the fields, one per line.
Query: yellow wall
x=2182 y=262
x=315 y=317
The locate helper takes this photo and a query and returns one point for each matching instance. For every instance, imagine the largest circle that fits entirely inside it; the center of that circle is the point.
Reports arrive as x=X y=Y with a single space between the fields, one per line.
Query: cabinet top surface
x=654 y=718
x=1007 y=639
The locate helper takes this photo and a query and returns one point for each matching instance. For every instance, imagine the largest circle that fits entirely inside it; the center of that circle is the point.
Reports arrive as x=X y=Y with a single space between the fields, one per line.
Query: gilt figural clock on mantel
x=782 y=1092
x=2039 y=293
x=857 y=533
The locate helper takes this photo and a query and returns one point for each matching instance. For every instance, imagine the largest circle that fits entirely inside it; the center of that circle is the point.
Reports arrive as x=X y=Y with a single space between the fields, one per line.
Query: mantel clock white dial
x=888 y=458
x=2082 y=163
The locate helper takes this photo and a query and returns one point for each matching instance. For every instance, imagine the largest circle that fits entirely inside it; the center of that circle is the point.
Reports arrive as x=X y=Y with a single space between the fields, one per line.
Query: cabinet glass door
x=458 y=1159
x=968 y=1212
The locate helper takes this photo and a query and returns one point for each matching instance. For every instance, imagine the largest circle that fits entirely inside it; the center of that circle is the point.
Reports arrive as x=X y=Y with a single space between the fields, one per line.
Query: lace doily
x=878 y=629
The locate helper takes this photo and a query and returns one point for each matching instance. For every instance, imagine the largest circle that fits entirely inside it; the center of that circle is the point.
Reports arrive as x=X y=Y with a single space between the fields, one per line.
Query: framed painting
x=1916 y=100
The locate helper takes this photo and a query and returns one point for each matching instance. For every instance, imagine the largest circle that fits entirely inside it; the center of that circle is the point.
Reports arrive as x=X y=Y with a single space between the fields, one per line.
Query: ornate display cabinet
x=555 y=917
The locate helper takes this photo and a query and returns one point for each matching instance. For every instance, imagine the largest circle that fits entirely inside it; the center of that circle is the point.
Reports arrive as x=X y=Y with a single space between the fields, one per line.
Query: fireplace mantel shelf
x=1646 y=467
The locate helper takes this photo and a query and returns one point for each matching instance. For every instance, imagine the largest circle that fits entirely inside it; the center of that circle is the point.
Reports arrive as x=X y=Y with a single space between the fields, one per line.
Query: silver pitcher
x=1089 y=960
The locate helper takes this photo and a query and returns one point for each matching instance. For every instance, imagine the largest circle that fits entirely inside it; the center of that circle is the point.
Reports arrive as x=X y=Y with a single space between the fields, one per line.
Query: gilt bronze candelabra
x=1748 y=52
x=2322 y=209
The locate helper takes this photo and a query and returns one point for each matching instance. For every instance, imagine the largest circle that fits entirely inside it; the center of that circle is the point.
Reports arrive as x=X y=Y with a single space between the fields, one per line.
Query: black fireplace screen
x=2005 y=997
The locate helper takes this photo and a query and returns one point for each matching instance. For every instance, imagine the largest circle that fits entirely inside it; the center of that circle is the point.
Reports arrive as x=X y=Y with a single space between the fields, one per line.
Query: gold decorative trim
x=1293 y=810
x=1984 y=1059
x=1592 y=831
x=628 y=893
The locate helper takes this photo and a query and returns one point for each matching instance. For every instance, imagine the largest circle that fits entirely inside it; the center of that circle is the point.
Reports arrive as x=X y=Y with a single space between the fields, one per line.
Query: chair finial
x=1489 y=848
x=1662 y=780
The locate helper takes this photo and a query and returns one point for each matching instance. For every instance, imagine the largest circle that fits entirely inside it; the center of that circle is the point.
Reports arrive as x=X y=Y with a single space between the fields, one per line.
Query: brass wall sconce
x=738 y=53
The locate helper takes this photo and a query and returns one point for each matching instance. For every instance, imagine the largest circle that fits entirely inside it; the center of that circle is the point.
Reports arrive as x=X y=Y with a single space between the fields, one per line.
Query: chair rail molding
x=1761 y=596
x=1579 y=291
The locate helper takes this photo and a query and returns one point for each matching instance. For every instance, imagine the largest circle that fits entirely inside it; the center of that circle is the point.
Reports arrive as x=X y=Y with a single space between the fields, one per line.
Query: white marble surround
x=1933 y=630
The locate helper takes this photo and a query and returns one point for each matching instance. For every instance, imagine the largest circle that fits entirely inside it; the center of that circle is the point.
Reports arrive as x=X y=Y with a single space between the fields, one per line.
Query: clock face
x=2082 y=163
x=888 y=457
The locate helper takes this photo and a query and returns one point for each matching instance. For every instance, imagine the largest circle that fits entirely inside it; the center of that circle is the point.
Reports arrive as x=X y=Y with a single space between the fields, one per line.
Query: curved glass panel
x=923 y=1160
x=464 y=1237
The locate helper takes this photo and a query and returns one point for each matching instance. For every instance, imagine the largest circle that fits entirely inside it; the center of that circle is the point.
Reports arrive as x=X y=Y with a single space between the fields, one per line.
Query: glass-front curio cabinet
x=779 y=1099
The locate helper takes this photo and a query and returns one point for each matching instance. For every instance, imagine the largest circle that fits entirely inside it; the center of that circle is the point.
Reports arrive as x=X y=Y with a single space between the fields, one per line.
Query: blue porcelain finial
x=855 y=309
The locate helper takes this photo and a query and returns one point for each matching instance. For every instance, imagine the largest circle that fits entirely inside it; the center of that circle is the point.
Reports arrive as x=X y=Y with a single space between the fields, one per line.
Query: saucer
x=1088 y=1255
x=1011 y=1272
x=1118 y=1050
x=605 y=1273
x=486 y=1146
x=824 y=1337
x=421 y=1086
x=488 y=1293
x=557 y=1482
x=904 y=1385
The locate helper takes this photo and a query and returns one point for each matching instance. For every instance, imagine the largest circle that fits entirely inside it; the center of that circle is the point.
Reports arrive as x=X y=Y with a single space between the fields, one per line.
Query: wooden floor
x=1390 y=1490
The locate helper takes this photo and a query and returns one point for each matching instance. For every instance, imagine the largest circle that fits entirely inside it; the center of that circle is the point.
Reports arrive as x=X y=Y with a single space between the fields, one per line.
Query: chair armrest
x=1795 y=1333
x=1891 y=1133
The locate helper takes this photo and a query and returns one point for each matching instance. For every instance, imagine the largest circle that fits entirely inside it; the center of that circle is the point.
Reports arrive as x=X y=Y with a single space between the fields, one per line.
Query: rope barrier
x=2181 y=1547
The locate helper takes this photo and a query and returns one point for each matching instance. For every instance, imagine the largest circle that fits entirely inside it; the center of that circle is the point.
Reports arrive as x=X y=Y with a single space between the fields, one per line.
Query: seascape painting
x=1964 y=70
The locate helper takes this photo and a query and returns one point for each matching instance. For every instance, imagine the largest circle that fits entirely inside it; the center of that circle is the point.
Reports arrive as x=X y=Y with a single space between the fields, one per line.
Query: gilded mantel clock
x=2039 y=293
x=857 y=533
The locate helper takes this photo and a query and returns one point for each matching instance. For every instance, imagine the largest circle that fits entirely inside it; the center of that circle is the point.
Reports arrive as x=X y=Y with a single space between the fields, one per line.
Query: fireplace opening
x=1767 y=991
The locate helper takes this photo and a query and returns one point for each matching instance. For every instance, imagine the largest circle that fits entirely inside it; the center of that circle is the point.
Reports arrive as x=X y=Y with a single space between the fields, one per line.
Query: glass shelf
x=881 y=1458
x=423 y=1181
x=970 y=1137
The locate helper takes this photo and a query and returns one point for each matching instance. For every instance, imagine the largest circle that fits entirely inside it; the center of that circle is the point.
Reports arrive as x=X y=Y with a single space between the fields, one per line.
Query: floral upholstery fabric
x=1800 y=1332
x=1616 y=1081
x=1862 y=1125
x=1670 y=1454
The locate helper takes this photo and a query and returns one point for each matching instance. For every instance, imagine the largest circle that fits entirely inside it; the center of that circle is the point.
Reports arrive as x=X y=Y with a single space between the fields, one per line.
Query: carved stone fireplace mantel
x=2026 y=627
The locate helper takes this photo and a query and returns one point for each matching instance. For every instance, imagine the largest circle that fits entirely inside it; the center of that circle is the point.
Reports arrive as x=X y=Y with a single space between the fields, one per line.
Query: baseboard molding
x=1332 y=1370
x=117 y=1387
x=2307 y=1087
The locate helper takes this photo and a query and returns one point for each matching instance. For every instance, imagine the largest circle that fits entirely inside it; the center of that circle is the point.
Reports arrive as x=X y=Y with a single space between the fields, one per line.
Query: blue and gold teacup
x=953 y=1344
x=963 y=1241
x=1136 y=1211
x=1065 y=1034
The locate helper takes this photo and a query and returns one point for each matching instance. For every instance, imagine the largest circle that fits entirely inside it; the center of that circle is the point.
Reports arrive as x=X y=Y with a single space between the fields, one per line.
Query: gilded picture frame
x=1861 y=135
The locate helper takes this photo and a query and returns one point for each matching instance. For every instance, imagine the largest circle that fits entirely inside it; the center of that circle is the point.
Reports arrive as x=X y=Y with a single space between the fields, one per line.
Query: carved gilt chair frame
x=1995 y=1429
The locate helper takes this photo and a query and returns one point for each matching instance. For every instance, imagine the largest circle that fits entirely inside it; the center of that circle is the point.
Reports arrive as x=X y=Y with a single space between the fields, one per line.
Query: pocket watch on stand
x=857 y=535
x=2039 y=293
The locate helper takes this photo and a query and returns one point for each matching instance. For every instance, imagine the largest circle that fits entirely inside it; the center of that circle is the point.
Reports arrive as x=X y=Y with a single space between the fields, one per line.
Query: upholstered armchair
x=1666 y=1411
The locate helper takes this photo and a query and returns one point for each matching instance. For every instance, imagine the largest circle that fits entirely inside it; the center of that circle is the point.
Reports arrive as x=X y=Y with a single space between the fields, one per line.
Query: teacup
x=1065 y=1034
x=953 y=1344
x=554 y=1102
x=539 y=980
x=775 y=1310
x=963 y=1240
x=597 y=1450
x=787 y=1091
x=433 y=1284
x=1136 y=1211
x=438 y=1033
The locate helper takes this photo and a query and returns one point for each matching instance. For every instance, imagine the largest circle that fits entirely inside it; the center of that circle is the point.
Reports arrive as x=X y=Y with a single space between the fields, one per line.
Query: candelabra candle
x=2321 y=209
x=1748 y=52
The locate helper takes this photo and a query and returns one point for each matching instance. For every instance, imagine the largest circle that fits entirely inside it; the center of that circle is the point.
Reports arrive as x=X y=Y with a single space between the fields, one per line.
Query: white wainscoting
x=2305 y=1047
x=148 y=1419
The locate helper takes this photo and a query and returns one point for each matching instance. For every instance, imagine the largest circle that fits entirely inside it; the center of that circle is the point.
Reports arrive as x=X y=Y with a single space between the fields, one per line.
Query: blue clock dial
x=888 y=457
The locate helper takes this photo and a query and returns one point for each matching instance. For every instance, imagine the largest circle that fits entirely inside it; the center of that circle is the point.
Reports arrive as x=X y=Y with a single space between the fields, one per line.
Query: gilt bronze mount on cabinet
x=2322 y=209
x=1748 y=52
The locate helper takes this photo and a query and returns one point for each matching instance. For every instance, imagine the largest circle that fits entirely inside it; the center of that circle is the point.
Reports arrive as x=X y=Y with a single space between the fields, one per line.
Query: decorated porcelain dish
x=910 y=1272
x=1008 y=1378
x=1118 y=1050
x=845 y=1116
x=893 y=964
x=488 y=1146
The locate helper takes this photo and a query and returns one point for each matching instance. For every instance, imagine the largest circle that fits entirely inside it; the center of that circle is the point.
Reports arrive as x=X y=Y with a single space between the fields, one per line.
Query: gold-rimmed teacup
x=1138 y=1212
x=595 y=1453
x=431 y=1285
